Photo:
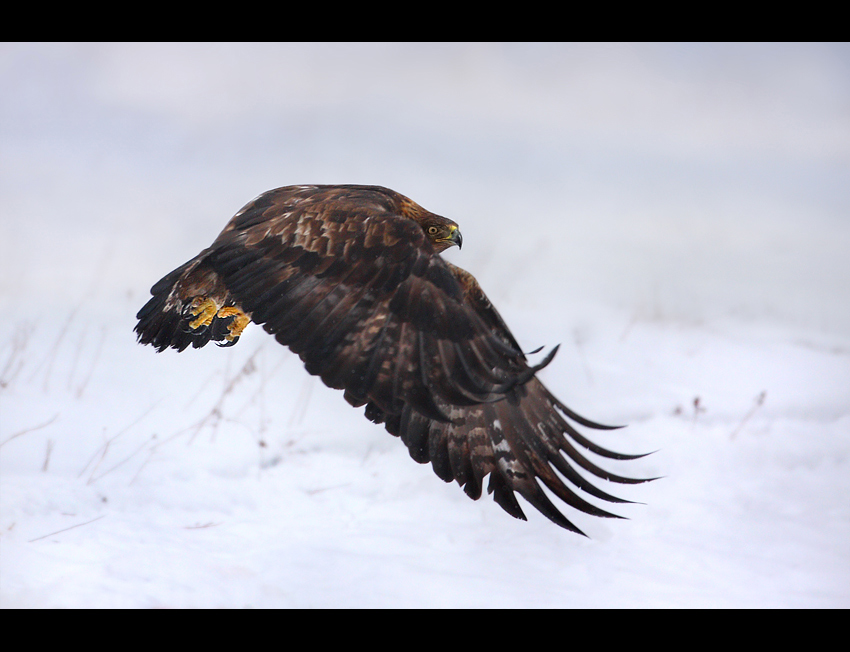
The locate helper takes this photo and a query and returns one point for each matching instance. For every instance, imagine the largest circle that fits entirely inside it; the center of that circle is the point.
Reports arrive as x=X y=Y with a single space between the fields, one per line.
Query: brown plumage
x=350 y=278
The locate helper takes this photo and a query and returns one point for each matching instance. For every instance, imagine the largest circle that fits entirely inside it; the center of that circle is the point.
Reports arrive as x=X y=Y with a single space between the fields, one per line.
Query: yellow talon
x=204 y=311
x=240 y=321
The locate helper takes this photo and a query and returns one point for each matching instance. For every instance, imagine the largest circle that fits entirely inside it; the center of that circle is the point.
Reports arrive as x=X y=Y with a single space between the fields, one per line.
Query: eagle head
x=442 y=233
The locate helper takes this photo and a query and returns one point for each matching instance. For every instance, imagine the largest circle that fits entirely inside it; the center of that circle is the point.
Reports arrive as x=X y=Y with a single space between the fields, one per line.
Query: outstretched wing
x=357 y=291
x=517 y=440
x=348 y=281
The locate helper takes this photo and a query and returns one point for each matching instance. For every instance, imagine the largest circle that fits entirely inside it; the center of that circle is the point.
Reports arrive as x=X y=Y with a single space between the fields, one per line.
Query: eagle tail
x=190 y=306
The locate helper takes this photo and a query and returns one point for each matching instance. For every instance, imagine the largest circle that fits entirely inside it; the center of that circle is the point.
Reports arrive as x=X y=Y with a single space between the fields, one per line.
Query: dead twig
x=54 y=350
x=698 y=408
x=103 y=450
x=259 y=395
x=144 y=464
x=201 y=527
x=26 y=430
x=47 y=456
x=73 y=370
x=759 y=402
x=92 y=479
x=14 y=362
x=66 y=529
x=216 y=412
x=636 y=317
x=84 y=384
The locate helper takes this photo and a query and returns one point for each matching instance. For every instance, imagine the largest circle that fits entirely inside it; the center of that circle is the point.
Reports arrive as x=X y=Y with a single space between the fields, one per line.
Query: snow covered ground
x=676 y=216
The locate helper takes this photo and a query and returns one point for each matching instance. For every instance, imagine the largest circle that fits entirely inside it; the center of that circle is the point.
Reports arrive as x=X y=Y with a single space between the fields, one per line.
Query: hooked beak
x=456 y=238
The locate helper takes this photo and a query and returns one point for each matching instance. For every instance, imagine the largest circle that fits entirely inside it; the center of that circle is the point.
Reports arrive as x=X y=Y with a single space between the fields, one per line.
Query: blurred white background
x=677 y=216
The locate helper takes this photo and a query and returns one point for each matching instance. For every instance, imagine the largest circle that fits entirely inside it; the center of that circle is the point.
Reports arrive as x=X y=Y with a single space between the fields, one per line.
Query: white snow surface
x=677 y=217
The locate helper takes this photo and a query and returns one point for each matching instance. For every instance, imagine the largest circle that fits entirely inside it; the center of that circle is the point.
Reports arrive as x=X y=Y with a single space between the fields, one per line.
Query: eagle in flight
x=350 y=278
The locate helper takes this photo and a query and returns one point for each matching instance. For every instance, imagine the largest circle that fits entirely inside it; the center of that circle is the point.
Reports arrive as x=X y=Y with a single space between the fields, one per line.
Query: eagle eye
x=432 y=230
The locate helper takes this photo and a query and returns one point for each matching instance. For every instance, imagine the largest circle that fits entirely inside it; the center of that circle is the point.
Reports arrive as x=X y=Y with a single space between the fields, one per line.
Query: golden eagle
x=350 y=278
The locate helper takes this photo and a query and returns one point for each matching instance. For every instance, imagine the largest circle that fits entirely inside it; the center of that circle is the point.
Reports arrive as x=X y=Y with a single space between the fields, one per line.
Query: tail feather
x=161 y=322
x=174 y=317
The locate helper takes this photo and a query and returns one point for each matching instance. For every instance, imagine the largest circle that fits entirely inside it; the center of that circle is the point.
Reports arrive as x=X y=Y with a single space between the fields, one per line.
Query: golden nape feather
x=350 y=278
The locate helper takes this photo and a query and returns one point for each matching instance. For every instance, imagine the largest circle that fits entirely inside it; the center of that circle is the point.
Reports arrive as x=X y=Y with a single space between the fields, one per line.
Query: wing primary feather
x=578 y=418
x=458 y=449
x=564 y=467
x=501 y=383
x=587 y=465
x=521 y=465
x=539 y=454
x=596 y=448
x=480 y=453
x=464 y=394
x=471 y=377
x=528 y=373
x=438 y=452
x=413 y=431
x=504 y=496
